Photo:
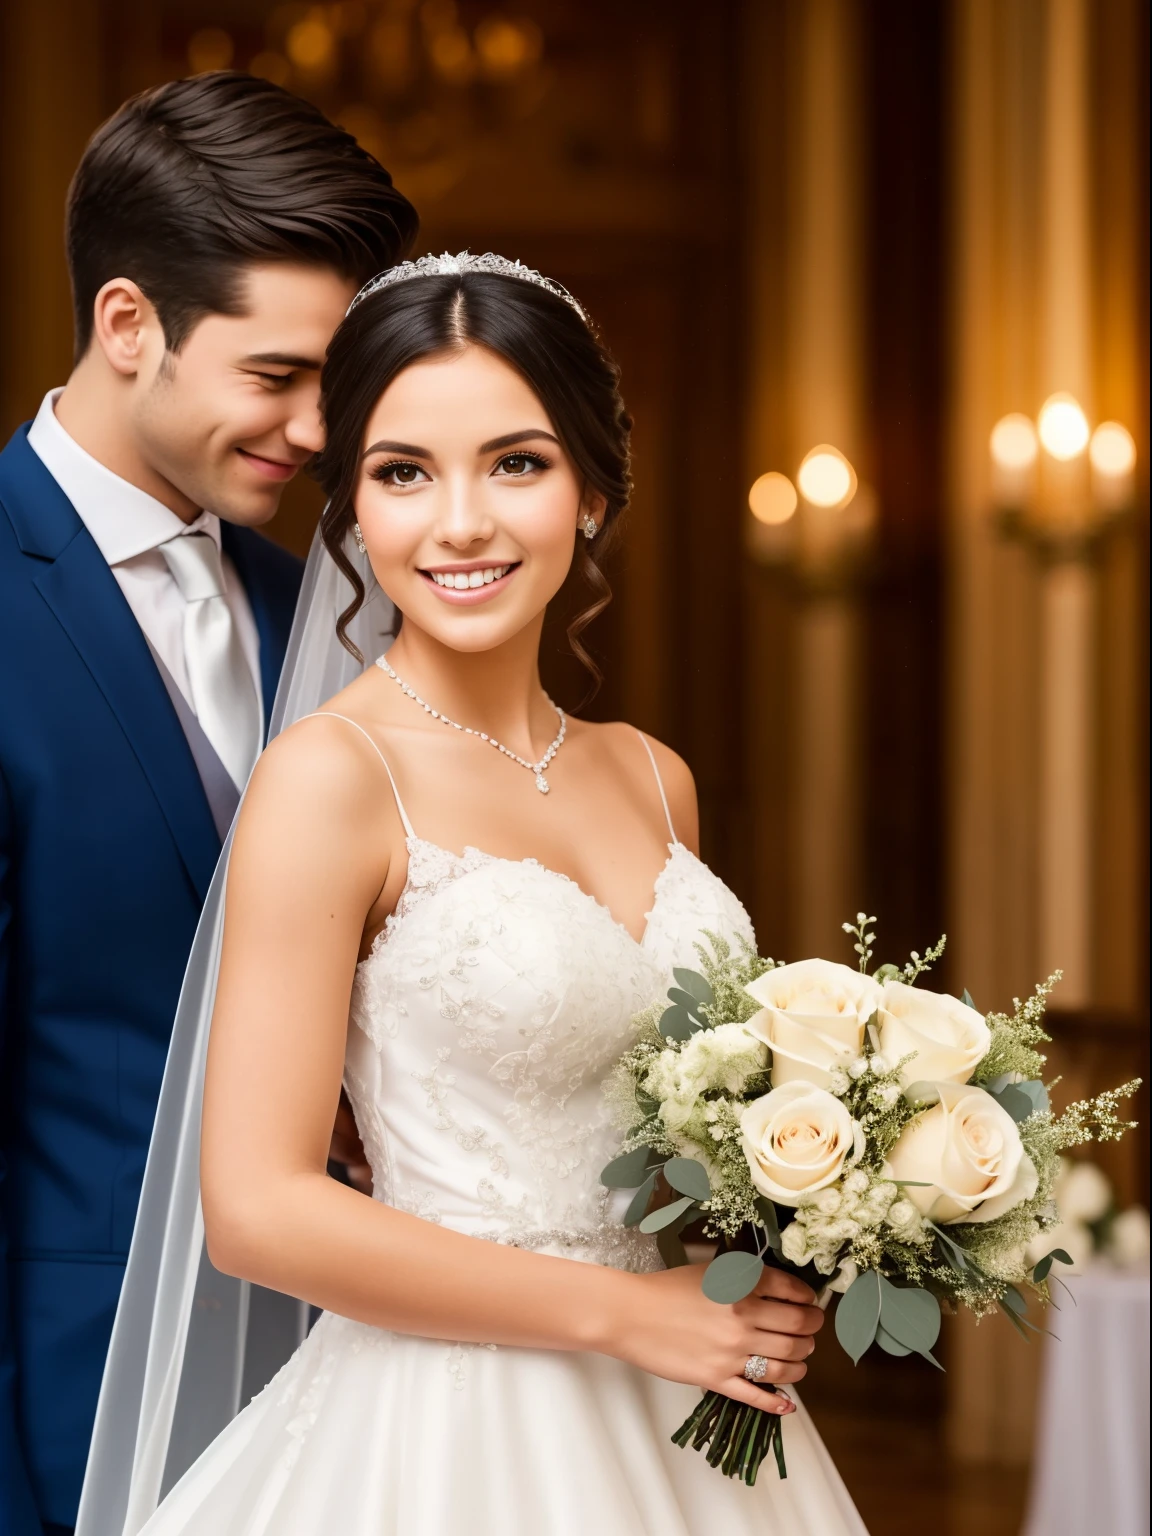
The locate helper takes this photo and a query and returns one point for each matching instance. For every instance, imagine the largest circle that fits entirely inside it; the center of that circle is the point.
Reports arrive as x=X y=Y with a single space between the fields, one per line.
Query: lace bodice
x=482 y=1025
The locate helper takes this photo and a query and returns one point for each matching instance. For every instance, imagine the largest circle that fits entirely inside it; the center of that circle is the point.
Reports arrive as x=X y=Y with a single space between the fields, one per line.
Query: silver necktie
x=223 y=692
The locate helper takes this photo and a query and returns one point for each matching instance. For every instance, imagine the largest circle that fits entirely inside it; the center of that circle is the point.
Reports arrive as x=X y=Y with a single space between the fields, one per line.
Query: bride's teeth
x=461 y=581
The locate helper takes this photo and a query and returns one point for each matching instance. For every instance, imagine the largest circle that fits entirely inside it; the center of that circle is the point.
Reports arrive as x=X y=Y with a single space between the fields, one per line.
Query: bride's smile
x=467 y=583
x=467 y=501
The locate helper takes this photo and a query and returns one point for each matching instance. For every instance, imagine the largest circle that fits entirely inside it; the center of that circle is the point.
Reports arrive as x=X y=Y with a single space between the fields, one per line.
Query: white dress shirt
x=129 y=526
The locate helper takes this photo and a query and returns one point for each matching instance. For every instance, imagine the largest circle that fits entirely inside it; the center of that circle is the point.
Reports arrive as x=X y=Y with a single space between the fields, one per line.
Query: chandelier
x=423 y=85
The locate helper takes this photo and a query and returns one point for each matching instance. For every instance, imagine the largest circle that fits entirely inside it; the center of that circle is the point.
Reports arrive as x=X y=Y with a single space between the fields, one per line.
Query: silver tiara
x=448 y=265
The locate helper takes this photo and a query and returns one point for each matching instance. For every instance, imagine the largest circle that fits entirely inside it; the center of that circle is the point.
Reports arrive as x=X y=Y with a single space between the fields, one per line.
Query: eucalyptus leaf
x=966 y=999
x=1014 y=1320
x=960 y=1261
x=640 y=1199
x=910 y=1314
x=770 y=1221
x=688 y=1177
x=684 y=1000
x=732 y=1276
x=994 y=1084
x=887 y=972
x=858 y=1314
x=629 y=1170
x=664 y=1215
x=646 y=1102
x=1020 y=1103
x=671 y=1246
x=1013 y=1299
x=888 y=1344
x=1015 y=1308
x=922 y=1095
x=1035 y=1090
x=678 y=1023
x=954 y=1259
x=695 y=984
x=1043 y=1267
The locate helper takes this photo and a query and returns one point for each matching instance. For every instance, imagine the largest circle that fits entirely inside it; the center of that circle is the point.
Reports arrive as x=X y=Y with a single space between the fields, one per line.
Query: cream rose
x=797 y=1139
x=963 y=1158
x=812 y=1016
x=949 y=1038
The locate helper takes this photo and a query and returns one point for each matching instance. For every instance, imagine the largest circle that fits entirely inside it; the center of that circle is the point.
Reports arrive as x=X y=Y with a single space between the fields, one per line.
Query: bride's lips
x=272 y=469
x=469 y=597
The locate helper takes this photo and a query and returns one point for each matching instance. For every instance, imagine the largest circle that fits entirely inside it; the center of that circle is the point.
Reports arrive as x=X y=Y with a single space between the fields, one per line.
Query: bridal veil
x=190 y=1346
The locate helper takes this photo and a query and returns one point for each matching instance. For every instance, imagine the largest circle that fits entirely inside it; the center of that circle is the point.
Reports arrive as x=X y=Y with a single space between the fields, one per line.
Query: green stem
x=735 y=1436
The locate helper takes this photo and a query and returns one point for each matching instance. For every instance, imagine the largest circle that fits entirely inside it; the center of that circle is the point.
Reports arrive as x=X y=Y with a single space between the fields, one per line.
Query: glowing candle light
x=1063 y=427
x=826 y=478
x=1112 y=454
x=772 y=499
x=1015 y=448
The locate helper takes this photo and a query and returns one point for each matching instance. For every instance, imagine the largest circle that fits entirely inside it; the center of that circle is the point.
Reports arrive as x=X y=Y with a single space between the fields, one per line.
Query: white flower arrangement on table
x=880 y=1140
x=1090 y=1226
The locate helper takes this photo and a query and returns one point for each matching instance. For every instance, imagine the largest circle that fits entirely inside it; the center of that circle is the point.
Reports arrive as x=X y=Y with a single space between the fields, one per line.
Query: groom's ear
x=126 y=327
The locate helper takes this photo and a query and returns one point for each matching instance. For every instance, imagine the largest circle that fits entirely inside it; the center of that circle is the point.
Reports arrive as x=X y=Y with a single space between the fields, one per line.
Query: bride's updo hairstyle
x=538 y=334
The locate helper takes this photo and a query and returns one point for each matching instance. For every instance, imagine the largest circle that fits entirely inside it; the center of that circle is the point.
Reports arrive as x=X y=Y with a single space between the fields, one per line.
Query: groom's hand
x=348 y=1149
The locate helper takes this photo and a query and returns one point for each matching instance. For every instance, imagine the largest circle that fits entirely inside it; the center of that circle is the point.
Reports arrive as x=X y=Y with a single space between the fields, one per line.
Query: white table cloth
x=1090 y=1472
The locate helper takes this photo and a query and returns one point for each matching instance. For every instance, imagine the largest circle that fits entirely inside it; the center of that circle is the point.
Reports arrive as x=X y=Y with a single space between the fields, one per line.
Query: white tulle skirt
x=367 y=1433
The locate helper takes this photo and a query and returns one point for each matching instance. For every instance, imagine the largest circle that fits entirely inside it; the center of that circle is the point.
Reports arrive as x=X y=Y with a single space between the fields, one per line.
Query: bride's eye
x=398 y=472
x=517 y=465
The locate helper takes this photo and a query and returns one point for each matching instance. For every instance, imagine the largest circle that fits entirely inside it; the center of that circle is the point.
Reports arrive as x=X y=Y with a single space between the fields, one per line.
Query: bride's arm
x=318 y=846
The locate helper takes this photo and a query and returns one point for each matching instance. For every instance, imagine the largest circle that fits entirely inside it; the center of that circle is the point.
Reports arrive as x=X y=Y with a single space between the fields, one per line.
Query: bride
x=450 y=898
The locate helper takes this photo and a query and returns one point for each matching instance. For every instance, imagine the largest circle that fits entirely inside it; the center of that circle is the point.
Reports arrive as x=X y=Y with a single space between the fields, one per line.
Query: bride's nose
x=463 y=519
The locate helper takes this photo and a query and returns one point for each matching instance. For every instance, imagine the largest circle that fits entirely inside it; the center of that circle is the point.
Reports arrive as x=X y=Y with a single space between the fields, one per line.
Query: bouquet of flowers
x=880 y=1140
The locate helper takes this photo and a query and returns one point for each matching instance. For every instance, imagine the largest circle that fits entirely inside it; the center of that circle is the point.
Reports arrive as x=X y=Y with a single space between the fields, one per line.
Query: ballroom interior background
x=873 y=225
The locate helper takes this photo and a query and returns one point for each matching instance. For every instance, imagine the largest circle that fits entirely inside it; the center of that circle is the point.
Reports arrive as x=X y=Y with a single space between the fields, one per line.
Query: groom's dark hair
x=190 y=183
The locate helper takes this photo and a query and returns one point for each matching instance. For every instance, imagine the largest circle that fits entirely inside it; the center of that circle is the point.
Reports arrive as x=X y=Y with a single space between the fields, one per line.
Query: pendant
x=541 y=783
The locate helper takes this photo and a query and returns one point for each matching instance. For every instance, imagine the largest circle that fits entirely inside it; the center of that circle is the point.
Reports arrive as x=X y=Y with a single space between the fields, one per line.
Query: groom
x=217 y=229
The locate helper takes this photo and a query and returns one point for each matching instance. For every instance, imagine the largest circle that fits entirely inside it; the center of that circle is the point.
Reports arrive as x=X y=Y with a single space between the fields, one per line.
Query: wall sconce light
x=1056 y=482
x=818 y=526
x=1061 y=487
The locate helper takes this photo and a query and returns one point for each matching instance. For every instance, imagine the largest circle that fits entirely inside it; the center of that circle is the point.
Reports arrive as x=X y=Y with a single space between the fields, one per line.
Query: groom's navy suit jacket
x=107 y=845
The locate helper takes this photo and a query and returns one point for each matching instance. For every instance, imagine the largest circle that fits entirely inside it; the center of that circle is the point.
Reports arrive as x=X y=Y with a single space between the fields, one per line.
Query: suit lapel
x=77 y=585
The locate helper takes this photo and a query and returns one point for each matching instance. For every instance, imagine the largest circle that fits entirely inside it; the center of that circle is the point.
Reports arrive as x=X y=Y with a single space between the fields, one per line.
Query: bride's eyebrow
x=385 y=446
x=511 y=438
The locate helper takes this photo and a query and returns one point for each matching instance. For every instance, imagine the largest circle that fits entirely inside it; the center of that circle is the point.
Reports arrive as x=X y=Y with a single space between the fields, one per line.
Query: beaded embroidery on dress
x=482 y=1025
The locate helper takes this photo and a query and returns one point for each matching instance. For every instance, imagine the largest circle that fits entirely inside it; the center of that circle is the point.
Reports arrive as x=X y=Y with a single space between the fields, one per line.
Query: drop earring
x=360 y=544
x=588 y=526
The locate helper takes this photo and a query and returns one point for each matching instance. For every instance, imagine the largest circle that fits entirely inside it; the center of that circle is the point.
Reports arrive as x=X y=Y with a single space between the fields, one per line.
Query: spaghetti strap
x=330 y=714
x=659 y=785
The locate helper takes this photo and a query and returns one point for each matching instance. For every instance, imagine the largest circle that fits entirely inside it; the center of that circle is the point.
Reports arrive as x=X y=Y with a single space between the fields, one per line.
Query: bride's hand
x=669 y=1327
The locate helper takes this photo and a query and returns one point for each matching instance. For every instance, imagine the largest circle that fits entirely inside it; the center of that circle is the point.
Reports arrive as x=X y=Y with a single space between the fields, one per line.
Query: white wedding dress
x=482 y=1025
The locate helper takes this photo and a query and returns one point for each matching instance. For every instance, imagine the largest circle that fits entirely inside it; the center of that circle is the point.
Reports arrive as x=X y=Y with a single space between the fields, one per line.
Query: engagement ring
x=757 y=1368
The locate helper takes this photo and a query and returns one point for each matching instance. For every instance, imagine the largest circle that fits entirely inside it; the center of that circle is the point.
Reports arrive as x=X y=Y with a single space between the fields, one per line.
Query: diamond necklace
x=536 y=768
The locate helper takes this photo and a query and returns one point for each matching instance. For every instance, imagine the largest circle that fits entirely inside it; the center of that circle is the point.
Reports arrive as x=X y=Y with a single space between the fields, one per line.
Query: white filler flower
x=812 y=1015
x=963 y=1158
x=721 y=1058
x=949 y=1038
x=797 y=1140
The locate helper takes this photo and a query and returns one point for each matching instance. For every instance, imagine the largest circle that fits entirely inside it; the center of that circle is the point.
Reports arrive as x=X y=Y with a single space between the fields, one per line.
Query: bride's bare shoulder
x=625 y=744
x=325 y=770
